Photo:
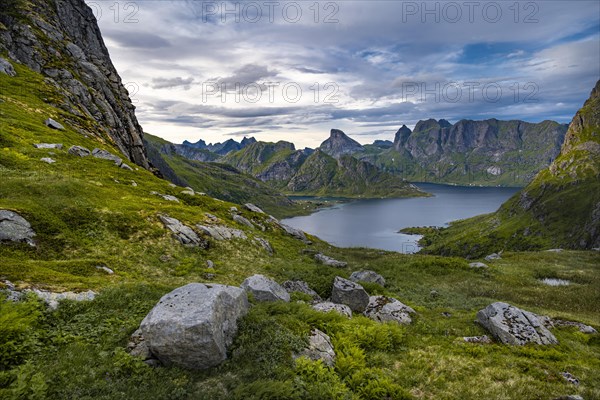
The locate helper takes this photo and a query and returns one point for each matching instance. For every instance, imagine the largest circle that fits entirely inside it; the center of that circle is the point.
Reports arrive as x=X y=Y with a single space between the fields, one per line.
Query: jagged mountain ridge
x=339 y=144
x=559 y=208
x=487 y=152
x=61 y=40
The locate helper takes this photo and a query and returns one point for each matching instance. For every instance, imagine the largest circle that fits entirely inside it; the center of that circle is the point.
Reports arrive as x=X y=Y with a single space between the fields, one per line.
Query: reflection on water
x=374 y=223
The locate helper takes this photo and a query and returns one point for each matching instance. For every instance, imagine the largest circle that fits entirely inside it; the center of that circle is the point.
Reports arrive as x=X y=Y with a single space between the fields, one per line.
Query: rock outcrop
x=330 y=262
x=265 y=289
x=221 y=232
x=511 y=325
x=193 y=326
x=61 y=40
x=183 y=233
x=349 y=293
x=328 y=306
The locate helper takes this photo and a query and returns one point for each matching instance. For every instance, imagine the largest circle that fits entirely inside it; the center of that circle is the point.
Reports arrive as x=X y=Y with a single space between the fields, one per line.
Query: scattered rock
x=296 y=233
x=221 y=232
x=478 y=265
x=79 y=151
x=253 y=208
x=583 y=328
x=570 y=397
x=6 y=67
x=555 y=250
x=511 y=325
x=265 y=289
x=194 y=325
x=167 y=197
x=52 y=298
x=211 y=217
x=264 y=243
x=349 y=293
x=328 y=306
x=367 y=276
x=570 y=378
x=183 y=233
x=383 y=309
x=446 y=314
x=53 y=124
x=477 y=339
x=189 y=191
x=302 y=287
x=105 y=155
x=319 y=348
x=310 y=252
x=126 y=167
x=325 y=260
x=172 y=185
x=137 y=346
x=14 y=228
x=233 y=209
x=244 y=221
x=134 y=183
x=434 y=293
x=57 y=146
x=11 y=293
x=493 y=256
x=105 y=269
x=48 y=160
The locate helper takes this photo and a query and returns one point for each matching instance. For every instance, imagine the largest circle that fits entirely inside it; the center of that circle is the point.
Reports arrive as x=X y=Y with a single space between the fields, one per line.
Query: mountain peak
x=339 y=143
x=402 y=137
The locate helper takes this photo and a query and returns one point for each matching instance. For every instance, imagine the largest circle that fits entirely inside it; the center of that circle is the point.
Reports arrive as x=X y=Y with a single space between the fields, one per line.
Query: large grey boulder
x=193 y=325
x=53 y=124
x=349 y=293
x=183 y=233
x=367 y=276
x=14 y=228
x=265 y=289
x=295 y=233
x=511 y=325
x=221 y=232
x=330 y=262
x=301 y=287
x=319 y=348
x=383 y=309
x=328 y=306
x=6 y=67
x=253 y=208
x=105 y=155
x=79 y=151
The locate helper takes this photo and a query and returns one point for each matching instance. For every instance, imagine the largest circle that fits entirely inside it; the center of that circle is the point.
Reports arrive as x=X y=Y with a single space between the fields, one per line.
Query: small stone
x=477 y=339
x=493 y=256
x=326 y=260
x=211 y=217
x=570 y=378
x=301 y=287
x=105 y=269
x=210 y=264
x=221 y=232
x=125 y=167
x=168 y=197
x=328 y=306
x=319 y=348
x=53 y=124
x=383 y=309
x=57 y=146
x=264 y=243
x=48 y=160
x=233 y=209
x=183 y=233
x=7 y=68
x=79 y=151
x=478 y=265
x=569 y=397
x=172 y=185
x=555 y=250
x=244 y=221
x=253 y=208
x=134 y=183
x=105 y=155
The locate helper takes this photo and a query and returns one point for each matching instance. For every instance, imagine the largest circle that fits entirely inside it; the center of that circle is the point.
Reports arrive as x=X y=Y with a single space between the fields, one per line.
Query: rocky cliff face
x=339 y=144
x=481 y=152
x=61 y=40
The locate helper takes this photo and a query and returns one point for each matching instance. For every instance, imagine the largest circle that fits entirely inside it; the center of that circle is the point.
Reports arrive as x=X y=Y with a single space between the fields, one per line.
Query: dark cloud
x=170 y=83
x=139 y=40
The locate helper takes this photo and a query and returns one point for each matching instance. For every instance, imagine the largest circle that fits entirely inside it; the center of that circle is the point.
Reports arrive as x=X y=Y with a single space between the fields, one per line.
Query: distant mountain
x=339 y=144
x=316 y=172
x=384 y=144
x=217 y=180
x=559 y=208
x=489 y=152
x=189 y=149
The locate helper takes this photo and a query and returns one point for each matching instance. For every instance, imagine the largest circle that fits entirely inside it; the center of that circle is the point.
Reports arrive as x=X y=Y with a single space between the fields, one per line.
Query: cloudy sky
x=295 y=69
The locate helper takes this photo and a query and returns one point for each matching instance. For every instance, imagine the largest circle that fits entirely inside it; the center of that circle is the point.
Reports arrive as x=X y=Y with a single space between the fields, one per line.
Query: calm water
x=375 y=223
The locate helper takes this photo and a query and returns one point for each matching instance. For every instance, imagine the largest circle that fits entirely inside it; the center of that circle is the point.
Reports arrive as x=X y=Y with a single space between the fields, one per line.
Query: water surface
x=374 y=223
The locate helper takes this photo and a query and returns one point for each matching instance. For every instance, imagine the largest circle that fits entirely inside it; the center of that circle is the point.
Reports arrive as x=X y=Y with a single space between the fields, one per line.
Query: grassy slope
x=86 y=212
x=554 y=210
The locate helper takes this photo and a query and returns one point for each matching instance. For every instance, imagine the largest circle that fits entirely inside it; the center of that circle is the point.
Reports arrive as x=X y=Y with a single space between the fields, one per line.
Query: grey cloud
x=139 y=40
x=169 y=83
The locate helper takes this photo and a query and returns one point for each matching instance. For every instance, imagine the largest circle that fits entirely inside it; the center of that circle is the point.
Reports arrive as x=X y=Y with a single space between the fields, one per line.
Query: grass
x=86 y=213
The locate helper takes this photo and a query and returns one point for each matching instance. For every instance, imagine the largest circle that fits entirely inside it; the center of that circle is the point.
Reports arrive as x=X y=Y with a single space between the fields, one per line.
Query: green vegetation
x=86 y=212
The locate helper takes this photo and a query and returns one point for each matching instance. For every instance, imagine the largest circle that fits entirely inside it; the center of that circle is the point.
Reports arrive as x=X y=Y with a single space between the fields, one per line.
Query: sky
x=293 y=70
